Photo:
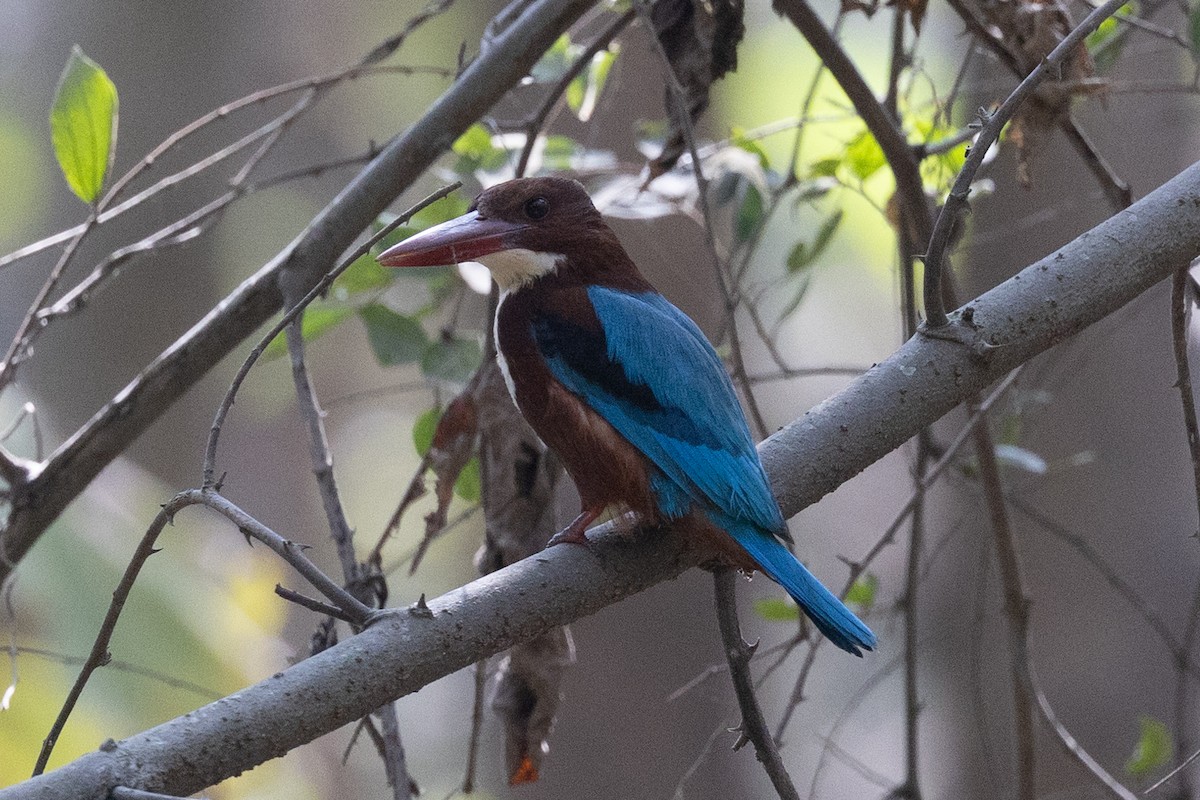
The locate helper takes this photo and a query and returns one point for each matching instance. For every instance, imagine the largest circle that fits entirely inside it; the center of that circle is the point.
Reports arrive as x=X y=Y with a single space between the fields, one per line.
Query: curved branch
x=1046 y=303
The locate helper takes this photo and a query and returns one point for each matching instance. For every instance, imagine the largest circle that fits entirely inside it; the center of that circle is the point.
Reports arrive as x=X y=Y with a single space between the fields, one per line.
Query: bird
x=621 y=384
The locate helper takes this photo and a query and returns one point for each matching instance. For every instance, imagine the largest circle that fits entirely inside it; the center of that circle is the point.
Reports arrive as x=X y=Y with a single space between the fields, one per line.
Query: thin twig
x=129 y=793
x=537 y=120
x=754 y=726
x=313 y=605
x=391 y=748
x=289 y=551
x=172 y=141
x=879 y=122
x=1181 y=307
x=1161 y=781
x=210 y=450
x=956 y=201
x=18 y=347
x=99 y=655
x=468 y=784
x=181 y=231
x=1016 y=609
x=858 y=567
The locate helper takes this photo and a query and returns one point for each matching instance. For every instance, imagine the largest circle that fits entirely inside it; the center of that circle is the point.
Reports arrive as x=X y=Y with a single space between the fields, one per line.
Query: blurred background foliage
x=1091 y=432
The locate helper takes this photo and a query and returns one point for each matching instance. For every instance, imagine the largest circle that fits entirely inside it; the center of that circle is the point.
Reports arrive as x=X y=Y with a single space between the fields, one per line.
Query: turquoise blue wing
x=654 y=377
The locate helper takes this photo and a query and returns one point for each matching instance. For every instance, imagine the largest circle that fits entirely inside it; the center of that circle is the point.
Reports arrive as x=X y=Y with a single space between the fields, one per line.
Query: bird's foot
x=576 y=532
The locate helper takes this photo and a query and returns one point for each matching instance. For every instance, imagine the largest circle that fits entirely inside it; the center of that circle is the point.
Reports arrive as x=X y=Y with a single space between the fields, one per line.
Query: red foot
x=576 y=532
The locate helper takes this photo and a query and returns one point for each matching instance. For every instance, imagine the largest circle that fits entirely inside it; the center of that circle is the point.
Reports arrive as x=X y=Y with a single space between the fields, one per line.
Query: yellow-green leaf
x=862 y=592
x=424 y=428
x=1153 y=749
x=469 y=485
x=864 y=155
x=83 y=125
x=777 y=609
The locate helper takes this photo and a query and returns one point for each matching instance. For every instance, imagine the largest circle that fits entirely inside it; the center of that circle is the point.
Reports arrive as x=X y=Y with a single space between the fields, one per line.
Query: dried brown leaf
x=700 y=40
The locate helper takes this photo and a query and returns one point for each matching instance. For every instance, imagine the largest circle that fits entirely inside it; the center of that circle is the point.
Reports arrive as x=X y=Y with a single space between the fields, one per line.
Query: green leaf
x=83 y=125
x=749 y=214
x=864 y=155
x=803 y=255
x=317 y=321
x=590 y=85
x=862 y=592
x=476 y=152
x=469 y=485
x=777 y=609
x=395 y=338
x=451 y=359
x=825 y=168
x=364 y=275
x=424 y=429
x=1153 y=749
x=558 y=152
x=1105 y=43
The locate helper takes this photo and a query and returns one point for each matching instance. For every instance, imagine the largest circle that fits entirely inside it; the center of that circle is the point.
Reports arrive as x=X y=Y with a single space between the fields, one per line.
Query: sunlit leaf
x=452 y=359
x=395 y=338
x=1152 y=750
x=317 y=321
x=83 y=124
x=864 y=155
x=424 y=428
x=1105 y=44
x=476 y=152
x=863 y=591
x=777 y=609
x=469 y=485
x=584 y=92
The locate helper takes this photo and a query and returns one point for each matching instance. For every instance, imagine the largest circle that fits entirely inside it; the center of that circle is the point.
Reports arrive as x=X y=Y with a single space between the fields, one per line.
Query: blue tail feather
x=828 y=613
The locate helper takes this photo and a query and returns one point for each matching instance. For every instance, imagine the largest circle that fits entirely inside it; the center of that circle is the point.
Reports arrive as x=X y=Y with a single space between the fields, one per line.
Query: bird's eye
x=536 y=207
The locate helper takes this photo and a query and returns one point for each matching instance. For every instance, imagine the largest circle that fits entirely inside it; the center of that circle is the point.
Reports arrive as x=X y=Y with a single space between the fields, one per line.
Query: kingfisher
x=622 y=385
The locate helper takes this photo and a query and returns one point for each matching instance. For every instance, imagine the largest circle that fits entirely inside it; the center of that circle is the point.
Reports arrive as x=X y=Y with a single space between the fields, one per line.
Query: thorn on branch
x=420 y=608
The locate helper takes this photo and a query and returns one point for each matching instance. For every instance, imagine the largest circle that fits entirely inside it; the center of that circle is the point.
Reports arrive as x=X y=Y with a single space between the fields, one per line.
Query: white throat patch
x=512 y=269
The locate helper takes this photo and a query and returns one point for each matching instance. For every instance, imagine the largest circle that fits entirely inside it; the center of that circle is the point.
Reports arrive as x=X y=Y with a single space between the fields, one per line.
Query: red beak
x=465 y=238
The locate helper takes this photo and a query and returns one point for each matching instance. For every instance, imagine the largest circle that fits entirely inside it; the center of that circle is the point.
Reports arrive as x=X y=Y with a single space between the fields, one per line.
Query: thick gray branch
x=1058 y=296
x=72 y=467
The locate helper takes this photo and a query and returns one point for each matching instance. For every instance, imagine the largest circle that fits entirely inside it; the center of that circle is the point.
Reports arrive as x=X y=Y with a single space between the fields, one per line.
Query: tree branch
x=110 y=431
x=1043 y=305
x=754 y=727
